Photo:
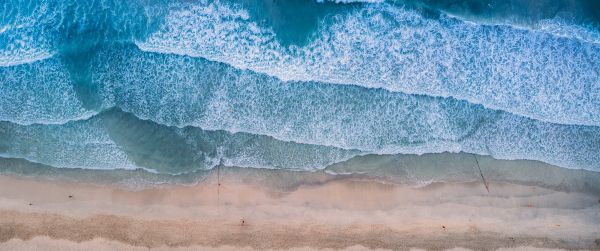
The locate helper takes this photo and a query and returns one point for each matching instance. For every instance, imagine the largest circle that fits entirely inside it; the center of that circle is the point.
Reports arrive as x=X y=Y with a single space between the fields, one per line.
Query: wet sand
x=337 y=213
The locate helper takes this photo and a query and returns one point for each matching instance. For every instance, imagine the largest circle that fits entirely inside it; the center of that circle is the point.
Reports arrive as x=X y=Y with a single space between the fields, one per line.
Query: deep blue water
x=176 y=86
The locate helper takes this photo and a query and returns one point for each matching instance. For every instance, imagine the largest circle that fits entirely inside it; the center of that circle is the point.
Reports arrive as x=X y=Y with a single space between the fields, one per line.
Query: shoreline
x=339 y=213
x=405 y=169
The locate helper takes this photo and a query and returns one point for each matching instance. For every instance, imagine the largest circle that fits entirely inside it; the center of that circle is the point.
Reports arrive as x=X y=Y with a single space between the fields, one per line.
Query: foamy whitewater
x=175 y=87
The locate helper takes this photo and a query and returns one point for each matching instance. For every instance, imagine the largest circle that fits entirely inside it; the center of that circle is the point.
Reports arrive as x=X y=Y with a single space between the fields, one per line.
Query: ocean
x=163 y=91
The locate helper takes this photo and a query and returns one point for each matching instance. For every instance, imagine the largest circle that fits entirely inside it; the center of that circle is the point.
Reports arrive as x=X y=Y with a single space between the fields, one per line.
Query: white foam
x=76 y=145
x=183 y=91
x=39 y=93
x=525 y=72
x=24 y=46
x=25 y=33
x=4 y=28
x=24 y=58
x=561 y=28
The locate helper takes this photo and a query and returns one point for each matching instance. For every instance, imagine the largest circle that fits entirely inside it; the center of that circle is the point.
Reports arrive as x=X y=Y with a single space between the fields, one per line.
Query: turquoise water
x=174 y=87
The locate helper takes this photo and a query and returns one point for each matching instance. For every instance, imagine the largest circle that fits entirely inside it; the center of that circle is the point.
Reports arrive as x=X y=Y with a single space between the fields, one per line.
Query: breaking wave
x=178 y=86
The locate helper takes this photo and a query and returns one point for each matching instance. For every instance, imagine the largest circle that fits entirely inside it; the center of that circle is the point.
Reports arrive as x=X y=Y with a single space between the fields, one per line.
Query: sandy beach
x=345 y=213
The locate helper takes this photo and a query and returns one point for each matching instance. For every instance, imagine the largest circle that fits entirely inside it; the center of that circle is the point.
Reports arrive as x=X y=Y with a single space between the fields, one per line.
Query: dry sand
x=346 y=214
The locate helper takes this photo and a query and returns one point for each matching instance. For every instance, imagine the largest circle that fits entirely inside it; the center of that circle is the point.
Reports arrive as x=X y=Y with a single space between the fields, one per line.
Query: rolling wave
x=524 y=72
x=178 y=86
x=72 y=145
x=24 y=37
x=118 y=140
x=41 y=92
x=577 y=16
x=183 y=91
x=33 y=30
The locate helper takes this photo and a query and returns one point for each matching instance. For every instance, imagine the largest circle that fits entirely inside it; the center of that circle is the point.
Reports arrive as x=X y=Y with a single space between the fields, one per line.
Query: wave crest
x=525 y=72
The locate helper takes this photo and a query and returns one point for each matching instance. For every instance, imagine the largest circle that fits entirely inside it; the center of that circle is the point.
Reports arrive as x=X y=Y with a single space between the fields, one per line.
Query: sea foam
x=526 y=72
x=184 y=91
x=180 y=86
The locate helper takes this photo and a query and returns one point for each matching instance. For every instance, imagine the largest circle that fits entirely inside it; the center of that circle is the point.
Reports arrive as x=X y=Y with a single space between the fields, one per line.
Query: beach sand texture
x=339 y=213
